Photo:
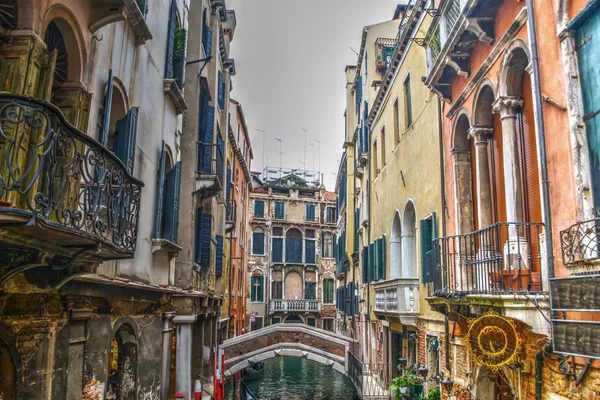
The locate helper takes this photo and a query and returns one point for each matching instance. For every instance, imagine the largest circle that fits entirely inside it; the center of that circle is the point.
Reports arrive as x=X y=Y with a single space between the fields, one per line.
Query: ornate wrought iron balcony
x=230 y=214
x=295 y=305
x=59 y=188
x=399 y=296
x=503 y=258
x=580 y=243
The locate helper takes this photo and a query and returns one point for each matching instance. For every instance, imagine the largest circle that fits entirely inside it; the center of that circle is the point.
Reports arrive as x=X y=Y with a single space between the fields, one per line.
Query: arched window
x=293 y=246
x=122 y=364
x=327 y=245
x=409 y=242
x=258 y=242
x=9 y=14
x=396 y=248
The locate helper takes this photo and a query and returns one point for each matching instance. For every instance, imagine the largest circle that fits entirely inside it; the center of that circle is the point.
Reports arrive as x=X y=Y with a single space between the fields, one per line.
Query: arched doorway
x=409 y=242
x=491 y=386
x=396 y=248
x=122 y=365
x=463 y=172
x=294 y=319
x=293 y=286
x=8 y=373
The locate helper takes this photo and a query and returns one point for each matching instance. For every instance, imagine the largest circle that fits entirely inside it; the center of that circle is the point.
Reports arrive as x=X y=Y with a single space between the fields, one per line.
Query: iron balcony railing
x=210 y=161
x=397 y=296
x=503 y=258
x=580 y=242
x=371 y=380
x=405 y=18
x=231 y=210
x=296 y=305
x=64 y=178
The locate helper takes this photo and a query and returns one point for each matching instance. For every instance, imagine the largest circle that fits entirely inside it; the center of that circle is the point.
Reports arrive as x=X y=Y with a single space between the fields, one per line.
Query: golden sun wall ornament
x=493 y=340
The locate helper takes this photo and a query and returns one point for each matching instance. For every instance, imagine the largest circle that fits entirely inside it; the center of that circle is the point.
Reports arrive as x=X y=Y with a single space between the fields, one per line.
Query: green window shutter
x=371 y=264
x=253 y=288
x=261 y=289
x=365 y=265
x=259 y=209
x=171 y=40
x=428 y=234
x=126 y=138
x=160 y=193
x=382 y=268
x=107 y=104
x=172 y=186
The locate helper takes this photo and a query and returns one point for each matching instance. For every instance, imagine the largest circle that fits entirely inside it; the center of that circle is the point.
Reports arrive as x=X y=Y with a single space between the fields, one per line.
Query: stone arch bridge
x=291 y=340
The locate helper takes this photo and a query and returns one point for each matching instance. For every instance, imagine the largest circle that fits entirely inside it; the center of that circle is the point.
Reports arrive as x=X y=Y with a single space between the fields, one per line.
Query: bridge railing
x=370 y=379
x=296 y=305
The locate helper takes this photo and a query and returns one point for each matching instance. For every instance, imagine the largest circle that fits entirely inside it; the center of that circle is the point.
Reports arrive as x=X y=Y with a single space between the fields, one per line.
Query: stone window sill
x=172 y=90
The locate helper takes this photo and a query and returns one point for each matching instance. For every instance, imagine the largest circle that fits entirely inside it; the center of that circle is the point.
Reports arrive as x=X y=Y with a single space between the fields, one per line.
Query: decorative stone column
x=167 y=337
x=77 y=340
x=516 y=268
x=461 y=161
x=507 y=108
x=183 y=368
x=481 y=136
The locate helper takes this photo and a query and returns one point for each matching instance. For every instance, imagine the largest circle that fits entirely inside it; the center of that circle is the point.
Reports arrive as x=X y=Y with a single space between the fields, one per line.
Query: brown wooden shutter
x=531 y=190
x=496 y=165
x=473 y=156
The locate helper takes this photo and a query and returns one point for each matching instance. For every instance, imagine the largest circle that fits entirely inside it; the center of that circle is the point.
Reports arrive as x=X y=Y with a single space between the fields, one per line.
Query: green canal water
x=289 y=378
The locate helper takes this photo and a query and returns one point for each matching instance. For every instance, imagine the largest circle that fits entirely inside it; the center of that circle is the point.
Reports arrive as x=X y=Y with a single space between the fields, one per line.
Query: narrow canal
x=289 y=378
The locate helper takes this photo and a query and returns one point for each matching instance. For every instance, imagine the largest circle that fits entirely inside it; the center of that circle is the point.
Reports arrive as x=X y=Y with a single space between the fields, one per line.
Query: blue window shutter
x=171 y=40
x=206 y=35
x=277 y=255
x=198 y=235
x=173 y=185
x=219 y=257
x=202 y=117
x=229 y=184
x=107 y=104
x=221 y=89
x=279 y=211
x=160 y=192
x=208 y=139
x=258 y=243
x=206 y=239
x=126 y=137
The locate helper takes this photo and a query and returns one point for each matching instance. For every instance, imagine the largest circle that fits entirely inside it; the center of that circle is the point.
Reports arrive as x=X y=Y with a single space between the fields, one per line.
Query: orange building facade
x=518 y=110
x=236 y=221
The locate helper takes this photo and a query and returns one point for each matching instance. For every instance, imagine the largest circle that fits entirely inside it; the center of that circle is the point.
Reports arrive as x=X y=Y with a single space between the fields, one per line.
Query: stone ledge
x=172 y=90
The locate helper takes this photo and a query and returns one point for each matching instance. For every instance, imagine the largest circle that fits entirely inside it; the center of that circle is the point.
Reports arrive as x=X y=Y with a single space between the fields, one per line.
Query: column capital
x=507 y=106
x=184 y=319
x=481 y=133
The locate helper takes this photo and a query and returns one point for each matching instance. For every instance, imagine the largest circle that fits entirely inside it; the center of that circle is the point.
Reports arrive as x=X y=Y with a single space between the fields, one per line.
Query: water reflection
x=288 y=378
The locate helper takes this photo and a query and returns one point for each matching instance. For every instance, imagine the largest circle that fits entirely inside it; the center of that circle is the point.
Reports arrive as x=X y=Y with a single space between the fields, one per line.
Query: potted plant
x=407 y=384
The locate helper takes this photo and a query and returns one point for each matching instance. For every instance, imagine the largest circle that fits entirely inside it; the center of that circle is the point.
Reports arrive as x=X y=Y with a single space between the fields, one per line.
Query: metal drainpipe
x=541 y=136
x=443 y=193
x=368 y=322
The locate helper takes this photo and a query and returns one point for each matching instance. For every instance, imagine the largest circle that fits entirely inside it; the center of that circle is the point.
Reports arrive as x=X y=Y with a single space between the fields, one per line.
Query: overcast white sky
x=290 y=57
